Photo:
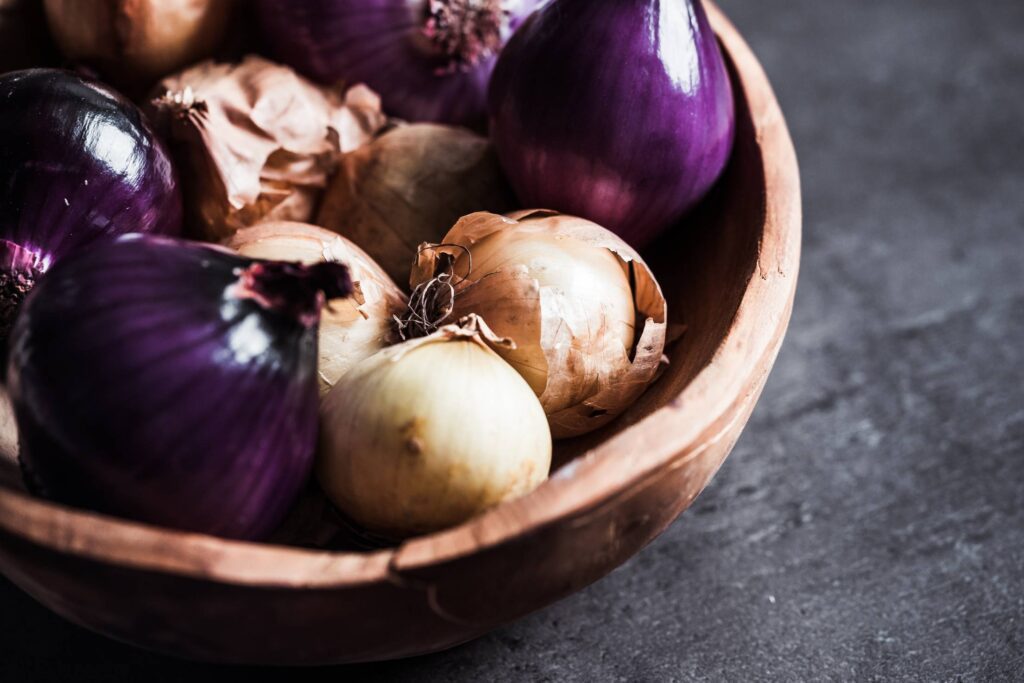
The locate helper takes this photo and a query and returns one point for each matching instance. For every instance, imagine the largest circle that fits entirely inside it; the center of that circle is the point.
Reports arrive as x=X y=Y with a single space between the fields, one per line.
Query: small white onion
x=352 y=329
x=430 y=433
x=584 y=310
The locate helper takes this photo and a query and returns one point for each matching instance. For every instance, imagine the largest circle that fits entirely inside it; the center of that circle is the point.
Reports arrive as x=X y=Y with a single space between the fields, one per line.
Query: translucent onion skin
x=172 y=383
x=78 y=163
x=387 y=44
x=255 y=141
x=619 y=112
x=585 y=312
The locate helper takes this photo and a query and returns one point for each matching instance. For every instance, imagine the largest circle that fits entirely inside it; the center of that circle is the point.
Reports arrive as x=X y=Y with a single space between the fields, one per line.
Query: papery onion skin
x=351 y=329
x=79 y=163
x=430 y=433
x=256 y=141
x=585 y=312
x=619 y=112
x=134 y=42
x=171 y=383
x=390 y=46
x=409 y=186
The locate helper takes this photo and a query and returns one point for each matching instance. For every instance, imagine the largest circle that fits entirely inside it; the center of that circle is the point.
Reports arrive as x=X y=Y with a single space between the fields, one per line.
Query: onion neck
x=19 y=269
x=466 y=31
x=293 y=289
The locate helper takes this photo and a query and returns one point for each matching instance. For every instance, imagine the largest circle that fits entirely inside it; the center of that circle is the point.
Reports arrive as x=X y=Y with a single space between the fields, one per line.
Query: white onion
x=431 y=432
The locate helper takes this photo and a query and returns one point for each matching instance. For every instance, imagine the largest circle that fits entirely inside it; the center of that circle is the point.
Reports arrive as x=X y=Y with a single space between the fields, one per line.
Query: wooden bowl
x=729 y=274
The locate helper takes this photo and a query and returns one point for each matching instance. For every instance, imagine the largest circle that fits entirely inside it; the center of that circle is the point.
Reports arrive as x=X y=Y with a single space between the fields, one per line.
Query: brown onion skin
x=134 y=42
x=410 y=185
x=569 y=345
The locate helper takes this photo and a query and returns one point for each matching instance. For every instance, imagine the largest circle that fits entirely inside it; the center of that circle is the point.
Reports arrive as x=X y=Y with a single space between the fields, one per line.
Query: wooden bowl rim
x=682 y=429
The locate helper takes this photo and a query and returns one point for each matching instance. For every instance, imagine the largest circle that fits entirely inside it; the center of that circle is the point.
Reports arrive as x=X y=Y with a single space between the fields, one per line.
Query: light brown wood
x=730 y=275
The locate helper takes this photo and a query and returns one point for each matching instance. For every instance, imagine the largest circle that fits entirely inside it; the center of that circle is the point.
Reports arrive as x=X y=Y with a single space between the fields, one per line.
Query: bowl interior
x=729 y=274
x=704 y=267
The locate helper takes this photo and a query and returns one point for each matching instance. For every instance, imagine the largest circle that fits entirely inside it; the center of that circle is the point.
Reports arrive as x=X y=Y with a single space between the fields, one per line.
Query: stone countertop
x=870 y=523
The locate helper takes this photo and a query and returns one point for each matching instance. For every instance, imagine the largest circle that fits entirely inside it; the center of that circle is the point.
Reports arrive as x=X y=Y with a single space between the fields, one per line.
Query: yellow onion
x=134 y=42
x=430 y=433
x=409 y=186
x=351 y=329
x=584 y=310
x=258 y=142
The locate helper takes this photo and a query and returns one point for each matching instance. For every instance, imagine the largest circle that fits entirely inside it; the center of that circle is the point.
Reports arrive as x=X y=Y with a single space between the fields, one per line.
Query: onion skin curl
x=256 y=141
x=553 y=292
x=134 y=42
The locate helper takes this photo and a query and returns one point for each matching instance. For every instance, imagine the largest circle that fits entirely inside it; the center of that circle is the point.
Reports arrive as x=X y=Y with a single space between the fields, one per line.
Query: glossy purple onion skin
x=145 y=386
x=381 y=43
x=620 y=112
x=78 y=163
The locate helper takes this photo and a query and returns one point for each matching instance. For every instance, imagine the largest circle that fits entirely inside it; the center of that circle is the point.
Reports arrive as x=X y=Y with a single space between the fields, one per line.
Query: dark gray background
x=870 y=523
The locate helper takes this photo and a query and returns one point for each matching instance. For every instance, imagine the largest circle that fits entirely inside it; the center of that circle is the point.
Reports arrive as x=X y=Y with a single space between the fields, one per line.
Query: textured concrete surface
x=870 y=523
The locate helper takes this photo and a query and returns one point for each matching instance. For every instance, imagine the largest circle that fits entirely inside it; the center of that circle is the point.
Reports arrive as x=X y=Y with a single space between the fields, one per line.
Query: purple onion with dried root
x=430 y=60
x=172 y=383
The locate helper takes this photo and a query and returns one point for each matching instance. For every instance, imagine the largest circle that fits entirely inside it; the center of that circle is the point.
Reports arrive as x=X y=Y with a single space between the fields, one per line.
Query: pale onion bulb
x=134 y=42
x=584 y=310
x=430 y=433
x=352 y=329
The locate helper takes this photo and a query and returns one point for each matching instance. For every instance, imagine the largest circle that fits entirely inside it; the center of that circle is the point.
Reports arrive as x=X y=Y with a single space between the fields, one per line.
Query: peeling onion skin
x=585 y=312
x=619 y=112
x=171 y=383
x=386 y=44
x=351 y=329
x=255 y=141
x=79 y=163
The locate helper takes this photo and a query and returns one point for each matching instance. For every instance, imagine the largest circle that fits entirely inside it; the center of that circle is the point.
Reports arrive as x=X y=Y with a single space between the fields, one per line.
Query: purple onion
x=77 y=163
x=171 y=383
x=619 y=112
x=430 y=60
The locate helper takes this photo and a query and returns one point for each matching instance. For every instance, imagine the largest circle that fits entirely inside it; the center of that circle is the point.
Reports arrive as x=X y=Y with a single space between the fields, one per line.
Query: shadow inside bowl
x=703 y=267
